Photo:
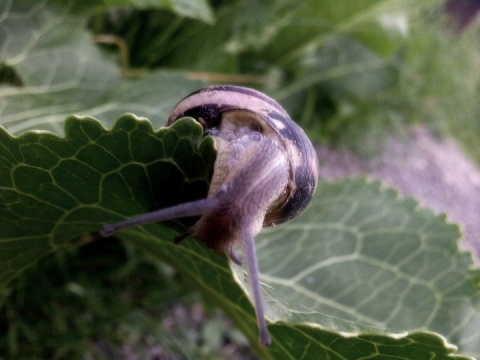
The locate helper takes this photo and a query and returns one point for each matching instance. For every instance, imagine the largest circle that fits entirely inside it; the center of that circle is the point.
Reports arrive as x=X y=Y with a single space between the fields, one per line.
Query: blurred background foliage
x=351 y=72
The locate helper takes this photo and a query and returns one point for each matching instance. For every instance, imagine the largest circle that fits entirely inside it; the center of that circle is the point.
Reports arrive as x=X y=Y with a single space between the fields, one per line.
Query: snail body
x=265 y=173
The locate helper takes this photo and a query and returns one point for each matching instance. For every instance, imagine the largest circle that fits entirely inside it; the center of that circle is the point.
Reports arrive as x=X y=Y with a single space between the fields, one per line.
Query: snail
x=265 y=173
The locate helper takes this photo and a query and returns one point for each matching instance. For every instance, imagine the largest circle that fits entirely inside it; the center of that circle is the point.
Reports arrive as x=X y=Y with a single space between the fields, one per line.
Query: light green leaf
x=311 y=24
x=360 y=253
x=195 y=9
x=257 y=31
x=198 y=9
x=153 y=96
x=63 y=72
x=347 y=70
x=50 y=50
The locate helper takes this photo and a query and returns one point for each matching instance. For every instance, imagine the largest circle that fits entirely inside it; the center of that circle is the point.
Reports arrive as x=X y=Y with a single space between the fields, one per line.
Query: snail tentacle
x=193 y=208
x=250 y=254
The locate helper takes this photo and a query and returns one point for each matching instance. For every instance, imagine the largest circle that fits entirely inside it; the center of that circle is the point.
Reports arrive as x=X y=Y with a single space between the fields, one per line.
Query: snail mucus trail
x=265 y=173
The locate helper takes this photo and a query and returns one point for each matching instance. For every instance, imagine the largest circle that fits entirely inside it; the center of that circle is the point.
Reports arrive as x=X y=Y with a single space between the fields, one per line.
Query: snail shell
x=210 y=104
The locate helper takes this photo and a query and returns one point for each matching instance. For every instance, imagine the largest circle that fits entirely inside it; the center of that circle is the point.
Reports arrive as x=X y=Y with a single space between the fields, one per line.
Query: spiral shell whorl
x=208 y=105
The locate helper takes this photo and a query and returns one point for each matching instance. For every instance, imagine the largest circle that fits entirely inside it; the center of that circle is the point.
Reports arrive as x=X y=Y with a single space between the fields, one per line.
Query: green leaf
x=257 y=31
x=64 y=72
x=49 y=48
x=187 y=48
x=54 y=190
x=346 y=70
x=312 y=24
x=361 y=254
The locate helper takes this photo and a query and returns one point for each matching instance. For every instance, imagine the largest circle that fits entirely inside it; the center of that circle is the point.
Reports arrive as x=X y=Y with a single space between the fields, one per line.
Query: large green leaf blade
x=362 y=254
x=50 y=49
x=297 y=332
x=63 y=72
x=151 y=97
x=312 y=24
x=56 y=189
